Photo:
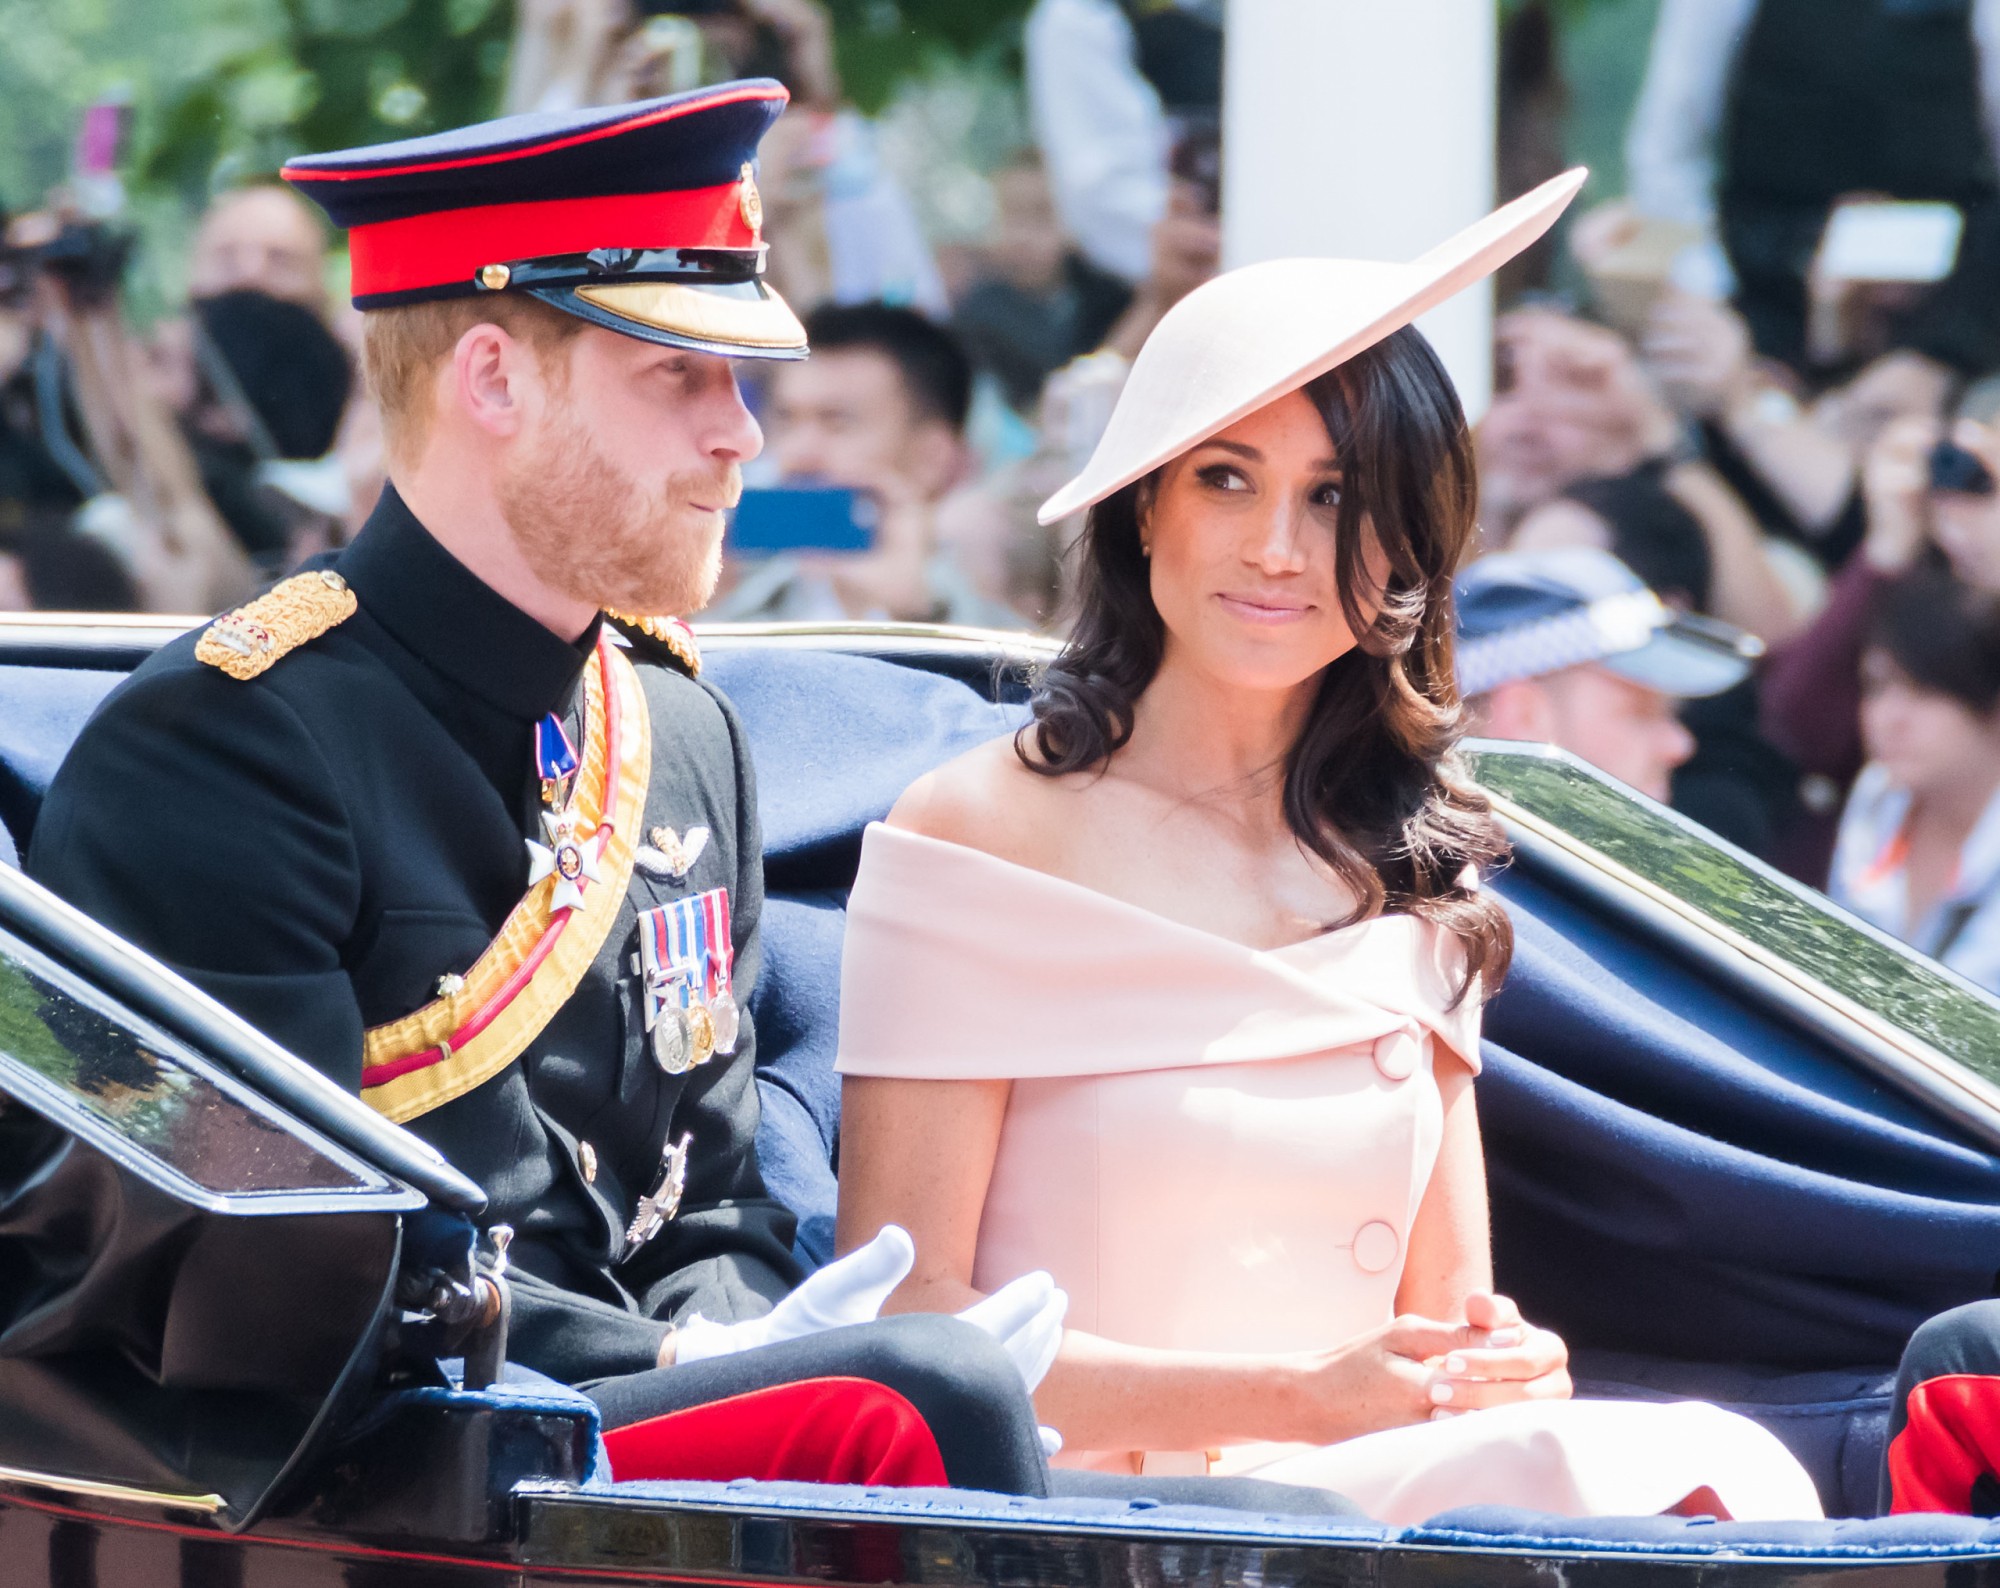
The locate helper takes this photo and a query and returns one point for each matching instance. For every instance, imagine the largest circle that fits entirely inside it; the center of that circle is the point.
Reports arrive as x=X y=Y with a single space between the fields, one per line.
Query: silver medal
x=673 y=1041
x=728 y=1020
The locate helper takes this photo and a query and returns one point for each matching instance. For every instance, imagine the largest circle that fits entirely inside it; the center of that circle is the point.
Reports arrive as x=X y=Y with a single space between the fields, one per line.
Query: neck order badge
x=451 y=1045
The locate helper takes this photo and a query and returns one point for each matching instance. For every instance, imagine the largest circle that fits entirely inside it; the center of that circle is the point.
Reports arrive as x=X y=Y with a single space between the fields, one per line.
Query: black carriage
x=1740 y=1146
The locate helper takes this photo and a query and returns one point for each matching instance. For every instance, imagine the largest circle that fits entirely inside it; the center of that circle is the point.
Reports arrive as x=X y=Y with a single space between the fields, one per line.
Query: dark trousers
x=1771 y=243
x=1944 y=1423
x=968 y=1392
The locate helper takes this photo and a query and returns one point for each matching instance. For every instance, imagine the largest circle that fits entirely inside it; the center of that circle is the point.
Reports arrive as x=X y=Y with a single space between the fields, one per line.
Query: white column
x=1363 y=129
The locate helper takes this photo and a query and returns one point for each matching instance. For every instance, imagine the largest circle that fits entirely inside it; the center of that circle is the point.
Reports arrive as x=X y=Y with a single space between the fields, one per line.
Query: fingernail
x=1500 y=1339
x=1454 y=1365
x=1441 y=1414
x=1441 y=1393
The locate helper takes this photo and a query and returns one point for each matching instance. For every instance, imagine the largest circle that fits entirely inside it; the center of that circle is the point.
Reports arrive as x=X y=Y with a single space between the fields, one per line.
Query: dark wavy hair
x=1372 y=786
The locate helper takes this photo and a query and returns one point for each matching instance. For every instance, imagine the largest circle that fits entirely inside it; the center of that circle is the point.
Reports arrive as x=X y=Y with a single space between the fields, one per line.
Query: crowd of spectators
x=1793 y=449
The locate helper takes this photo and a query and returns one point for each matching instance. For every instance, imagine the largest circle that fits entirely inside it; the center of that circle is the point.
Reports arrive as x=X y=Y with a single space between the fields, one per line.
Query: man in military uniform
x=488 y=856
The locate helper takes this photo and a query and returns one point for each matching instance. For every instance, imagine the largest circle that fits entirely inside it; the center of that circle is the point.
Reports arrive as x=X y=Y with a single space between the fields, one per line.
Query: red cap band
x=449 y=247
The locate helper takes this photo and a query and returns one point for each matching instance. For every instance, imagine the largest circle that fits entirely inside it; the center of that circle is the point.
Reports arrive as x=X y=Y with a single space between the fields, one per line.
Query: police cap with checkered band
x=1528 y=614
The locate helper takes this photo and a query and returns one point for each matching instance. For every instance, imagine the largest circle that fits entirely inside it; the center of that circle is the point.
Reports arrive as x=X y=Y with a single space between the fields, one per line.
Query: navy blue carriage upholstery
x=41 y=709
x=1703 y=1201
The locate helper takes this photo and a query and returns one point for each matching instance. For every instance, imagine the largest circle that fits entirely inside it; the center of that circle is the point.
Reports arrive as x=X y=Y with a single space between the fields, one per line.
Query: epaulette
x=668 y=634
x=245 y=642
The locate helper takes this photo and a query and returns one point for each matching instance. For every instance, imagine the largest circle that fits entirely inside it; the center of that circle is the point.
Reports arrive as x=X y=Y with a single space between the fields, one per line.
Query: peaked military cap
x=643 y=218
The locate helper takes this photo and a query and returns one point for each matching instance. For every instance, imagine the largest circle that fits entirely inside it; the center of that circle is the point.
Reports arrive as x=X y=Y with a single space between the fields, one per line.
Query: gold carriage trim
x=528 y=972
x=671 y=632
x=249 y=640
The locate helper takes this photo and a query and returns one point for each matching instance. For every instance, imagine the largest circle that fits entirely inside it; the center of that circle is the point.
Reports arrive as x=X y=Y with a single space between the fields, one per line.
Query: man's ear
x=494 y=379
x=1519 y=709
x=938 y=456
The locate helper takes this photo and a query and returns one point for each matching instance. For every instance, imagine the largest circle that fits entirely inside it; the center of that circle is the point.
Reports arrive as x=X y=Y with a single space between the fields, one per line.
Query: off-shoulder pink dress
x=1217 y=1148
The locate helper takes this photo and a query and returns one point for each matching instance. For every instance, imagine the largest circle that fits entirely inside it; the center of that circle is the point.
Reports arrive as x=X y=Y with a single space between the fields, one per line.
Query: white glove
x=850 y=1290
x=1026 y=1317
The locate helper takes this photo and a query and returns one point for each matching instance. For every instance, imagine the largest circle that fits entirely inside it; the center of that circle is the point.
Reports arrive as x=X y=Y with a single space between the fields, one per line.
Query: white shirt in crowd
x=875 y=245
x=1671 y=148
x=1871 y=878
x=1101 y=129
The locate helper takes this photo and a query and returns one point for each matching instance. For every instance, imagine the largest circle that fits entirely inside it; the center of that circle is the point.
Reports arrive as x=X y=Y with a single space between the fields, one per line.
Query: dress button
x=1396 y=1055
x=1375 y=1246
x=586 y=1157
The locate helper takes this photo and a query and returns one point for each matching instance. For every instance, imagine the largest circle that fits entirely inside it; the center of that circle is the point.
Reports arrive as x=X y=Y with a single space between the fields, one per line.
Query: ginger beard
x=590 y=530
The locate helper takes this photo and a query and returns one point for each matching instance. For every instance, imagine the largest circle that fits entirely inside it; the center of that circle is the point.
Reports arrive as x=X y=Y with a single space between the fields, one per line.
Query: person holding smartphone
x=1759 y=117
x=869 y=441
x=1930 y=495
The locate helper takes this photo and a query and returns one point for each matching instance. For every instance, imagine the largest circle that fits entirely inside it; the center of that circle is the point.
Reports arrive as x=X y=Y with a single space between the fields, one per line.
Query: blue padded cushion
x=836 y=740
x=796 y=1006
x=42 y=709
x=963 y=1507
x=1677 y=1172
x=1865 y=1538
x=1490 y=1529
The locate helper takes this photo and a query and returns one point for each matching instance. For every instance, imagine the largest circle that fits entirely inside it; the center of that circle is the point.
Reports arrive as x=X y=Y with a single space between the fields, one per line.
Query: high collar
x=455 y=622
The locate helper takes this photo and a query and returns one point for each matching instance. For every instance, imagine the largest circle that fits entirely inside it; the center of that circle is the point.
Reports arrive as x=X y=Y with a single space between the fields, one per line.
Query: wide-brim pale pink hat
x=1249 y=336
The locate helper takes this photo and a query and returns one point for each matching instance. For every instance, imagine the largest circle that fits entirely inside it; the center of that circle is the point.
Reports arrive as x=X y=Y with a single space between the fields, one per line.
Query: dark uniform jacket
x=315 y=847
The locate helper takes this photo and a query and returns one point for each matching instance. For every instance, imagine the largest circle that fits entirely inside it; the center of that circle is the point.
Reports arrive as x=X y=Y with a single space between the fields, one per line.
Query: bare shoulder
x=986 y=799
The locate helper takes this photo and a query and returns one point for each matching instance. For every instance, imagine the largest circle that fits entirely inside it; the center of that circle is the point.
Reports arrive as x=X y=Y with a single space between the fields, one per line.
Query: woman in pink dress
x=1176 y=994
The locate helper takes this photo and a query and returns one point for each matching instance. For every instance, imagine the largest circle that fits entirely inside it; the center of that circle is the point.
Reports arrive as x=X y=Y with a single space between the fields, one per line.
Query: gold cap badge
x=749 y=200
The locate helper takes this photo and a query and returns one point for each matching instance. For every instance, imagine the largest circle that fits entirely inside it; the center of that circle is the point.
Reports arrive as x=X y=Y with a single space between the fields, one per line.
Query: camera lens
x=1955 y=470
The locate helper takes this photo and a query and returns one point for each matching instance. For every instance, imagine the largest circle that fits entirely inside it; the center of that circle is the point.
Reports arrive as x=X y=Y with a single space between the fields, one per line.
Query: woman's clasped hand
x=1413 y=1368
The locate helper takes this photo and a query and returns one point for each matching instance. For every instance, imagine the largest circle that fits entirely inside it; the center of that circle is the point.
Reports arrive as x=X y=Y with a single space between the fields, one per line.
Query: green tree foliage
x=330 y=74
x=883 y=42
x=57 y=56
x=223 y=91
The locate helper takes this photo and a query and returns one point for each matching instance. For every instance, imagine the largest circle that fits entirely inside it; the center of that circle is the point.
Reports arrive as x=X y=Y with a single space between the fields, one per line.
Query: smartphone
x=801 y=518
x=1196 y=158
x=1891 y=240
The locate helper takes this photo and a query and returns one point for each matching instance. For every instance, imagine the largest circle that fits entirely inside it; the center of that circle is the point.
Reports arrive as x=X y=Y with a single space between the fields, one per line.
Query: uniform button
x=1375 y=1246
x=586 y=1156
x=1396 y=1055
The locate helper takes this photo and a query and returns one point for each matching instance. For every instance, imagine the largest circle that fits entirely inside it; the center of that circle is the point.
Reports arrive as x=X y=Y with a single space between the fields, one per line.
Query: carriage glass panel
x=1929 y=1011
x=75 y=1055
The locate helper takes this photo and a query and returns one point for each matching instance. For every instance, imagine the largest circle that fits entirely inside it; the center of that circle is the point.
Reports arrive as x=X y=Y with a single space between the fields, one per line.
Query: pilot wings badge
x=670 y=854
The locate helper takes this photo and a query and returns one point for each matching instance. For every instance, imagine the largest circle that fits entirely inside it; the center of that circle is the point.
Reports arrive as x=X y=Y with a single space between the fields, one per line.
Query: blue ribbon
x=555 y=756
